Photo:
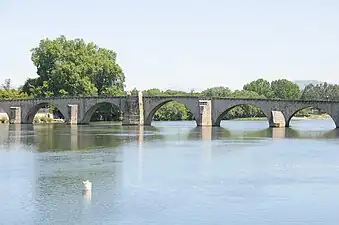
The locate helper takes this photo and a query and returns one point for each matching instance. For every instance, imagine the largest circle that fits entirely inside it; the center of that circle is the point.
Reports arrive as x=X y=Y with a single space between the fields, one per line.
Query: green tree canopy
x=8 y=92
x=72 y=67
x=285 y=89
x=217 y=92
x=260 y=86
x=322 y=91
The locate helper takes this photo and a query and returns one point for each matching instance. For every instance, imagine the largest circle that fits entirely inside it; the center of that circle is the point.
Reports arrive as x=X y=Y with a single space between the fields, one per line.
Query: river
x=170 y=173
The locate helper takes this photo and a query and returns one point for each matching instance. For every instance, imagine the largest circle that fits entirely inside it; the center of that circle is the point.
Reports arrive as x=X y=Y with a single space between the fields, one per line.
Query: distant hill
x=303 y=83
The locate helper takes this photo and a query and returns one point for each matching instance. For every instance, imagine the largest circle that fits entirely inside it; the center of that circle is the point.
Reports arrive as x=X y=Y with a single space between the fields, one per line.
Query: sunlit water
x=170 y=173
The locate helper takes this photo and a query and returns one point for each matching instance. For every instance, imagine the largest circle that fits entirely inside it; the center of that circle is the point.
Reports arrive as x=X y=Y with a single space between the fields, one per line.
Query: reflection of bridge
x=139 y=110
x=60 y=138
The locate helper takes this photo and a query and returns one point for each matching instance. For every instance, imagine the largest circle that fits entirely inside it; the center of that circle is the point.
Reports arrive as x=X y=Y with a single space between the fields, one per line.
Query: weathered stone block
x=132 y=113
x=72 y=114
x=205 y=113
x=15 y=115
x=278 y=119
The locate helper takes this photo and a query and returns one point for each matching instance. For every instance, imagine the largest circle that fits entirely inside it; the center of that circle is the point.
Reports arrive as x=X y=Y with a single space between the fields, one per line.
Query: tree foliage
x=259 y=86
x=322 y=91
x=8 y=92
x=74 y=68
x=285 y=89
x=217 y=92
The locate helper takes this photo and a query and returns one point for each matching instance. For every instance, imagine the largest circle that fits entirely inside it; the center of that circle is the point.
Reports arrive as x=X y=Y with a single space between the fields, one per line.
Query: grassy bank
x=313 y=117
x=251 y=118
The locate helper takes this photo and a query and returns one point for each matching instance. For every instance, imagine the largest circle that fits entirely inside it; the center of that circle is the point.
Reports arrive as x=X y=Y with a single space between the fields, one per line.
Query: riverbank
x=47 y=120
x=309 y=117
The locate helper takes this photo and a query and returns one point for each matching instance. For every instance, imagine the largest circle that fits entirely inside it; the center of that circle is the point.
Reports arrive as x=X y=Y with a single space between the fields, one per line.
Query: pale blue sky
x=183 y=44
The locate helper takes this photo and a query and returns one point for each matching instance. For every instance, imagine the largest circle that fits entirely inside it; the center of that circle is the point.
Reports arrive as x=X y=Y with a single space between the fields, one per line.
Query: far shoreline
x=310 y=117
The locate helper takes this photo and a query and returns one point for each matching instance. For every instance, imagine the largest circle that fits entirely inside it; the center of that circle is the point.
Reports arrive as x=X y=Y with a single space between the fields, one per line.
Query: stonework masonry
x=139 y=109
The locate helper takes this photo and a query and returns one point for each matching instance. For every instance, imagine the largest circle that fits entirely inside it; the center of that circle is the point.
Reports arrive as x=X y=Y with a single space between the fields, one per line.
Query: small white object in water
x=87 y=185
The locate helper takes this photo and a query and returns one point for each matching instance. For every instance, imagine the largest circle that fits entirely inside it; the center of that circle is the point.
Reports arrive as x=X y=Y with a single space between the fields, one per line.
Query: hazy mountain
x=303 y=83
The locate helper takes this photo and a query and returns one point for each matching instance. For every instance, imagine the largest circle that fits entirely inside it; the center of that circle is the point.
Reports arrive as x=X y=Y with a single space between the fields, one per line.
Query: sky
x=181 y=44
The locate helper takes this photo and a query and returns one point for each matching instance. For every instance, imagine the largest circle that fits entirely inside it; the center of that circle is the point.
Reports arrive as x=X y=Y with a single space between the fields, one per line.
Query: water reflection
x=59 y=137
x=220 y=133
x=140 y=152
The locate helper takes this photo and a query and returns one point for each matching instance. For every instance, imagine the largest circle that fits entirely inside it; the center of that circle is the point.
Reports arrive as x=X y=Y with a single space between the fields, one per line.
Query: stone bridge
x=139 y=110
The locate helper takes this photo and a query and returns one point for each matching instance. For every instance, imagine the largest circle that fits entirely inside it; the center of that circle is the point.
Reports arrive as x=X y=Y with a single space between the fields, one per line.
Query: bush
x=3 y=119
x=42 y=119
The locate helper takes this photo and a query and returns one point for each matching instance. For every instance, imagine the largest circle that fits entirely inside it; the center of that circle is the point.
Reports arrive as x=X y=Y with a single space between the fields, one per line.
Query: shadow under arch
x=150 y=116
x=90 y=112
x=227 y=110
x=29 y=117
x=288 y=120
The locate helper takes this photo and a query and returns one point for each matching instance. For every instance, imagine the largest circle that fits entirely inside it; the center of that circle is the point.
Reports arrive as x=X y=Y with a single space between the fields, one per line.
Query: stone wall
x=139 y=110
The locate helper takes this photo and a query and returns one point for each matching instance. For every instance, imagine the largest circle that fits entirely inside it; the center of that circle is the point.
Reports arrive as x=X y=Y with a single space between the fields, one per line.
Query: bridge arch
x=29 y=117
x=4 y=116
x=323 y=108
x=225 y=111
x=90 y=112
x=150 y=112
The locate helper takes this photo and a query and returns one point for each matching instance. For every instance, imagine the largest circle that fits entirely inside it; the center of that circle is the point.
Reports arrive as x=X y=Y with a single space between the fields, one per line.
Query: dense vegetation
x=75 y=68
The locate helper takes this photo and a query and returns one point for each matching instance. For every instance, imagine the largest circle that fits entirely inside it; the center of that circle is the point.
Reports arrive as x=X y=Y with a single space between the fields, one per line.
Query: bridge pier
x=134 y=110
x=15 y=115
x=205 y=113
x=276 y=119
x=72 y=115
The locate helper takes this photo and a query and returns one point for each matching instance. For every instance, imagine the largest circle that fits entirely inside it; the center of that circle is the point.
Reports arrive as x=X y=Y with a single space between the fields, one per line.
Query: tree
x=7 y=92
x=72 y=67
x=322 y=91
x=285 y=89
x=7 y=84
x=260 y=86
x=173 y=111
x=152 y=92
x=217 y=92
x=245 y=111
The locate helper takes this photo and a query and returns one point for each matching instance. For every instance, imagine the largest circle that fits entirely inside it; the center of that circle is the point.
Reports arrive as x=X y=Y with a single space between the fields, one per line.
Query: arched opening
x=45 y=113
x=311 y=117
x=4 y=117
x=235 y=116
x=104 y=112
x=170 y=110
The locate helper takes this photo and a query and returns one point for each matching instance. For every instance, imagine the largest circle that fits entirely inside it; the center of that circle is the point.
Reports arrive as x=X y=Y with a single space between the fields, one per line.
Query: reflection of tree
x=60 y=137
x=292 y=133
x=4 y=128
x=332 y=134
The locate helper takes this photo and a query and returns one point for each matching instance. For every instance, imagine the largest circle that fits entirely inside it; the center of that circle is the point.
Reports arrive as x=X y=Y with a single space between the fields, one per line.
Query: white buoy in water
x=87 y=185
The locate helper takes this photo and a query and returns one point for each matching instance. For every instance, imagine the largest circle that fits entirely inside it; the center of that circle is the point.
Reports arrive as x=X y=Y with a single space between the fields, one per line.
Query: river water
x=170 y=173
